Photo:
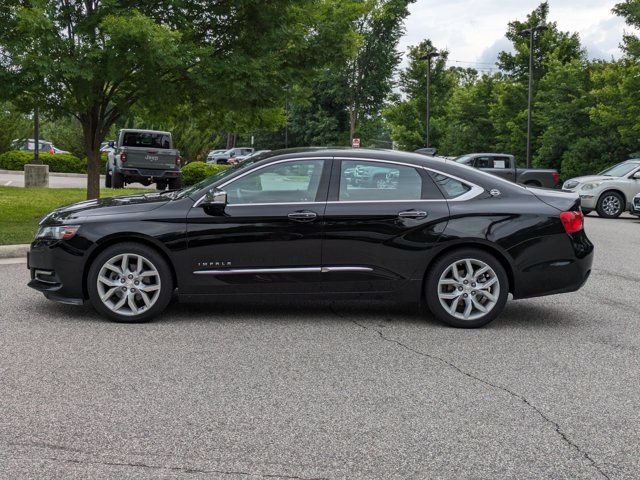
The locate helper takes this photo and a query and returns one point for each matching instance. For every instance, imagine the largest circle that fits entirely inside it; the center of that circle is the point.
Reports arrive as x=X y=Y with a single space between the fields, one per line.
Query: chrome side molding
x=254 y=271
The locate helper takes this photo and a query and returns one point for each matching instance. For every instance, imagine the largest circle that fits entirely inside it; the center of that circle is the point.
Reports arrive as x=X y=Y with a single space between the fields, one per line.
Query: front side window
x=371 y=181
x=287 y=182
x=450 y=187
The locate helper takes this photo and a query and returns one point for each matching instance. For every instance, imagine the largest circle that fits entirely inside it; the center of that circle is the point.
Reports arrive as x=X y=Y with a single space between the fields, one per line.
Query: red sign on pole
x=355 y=143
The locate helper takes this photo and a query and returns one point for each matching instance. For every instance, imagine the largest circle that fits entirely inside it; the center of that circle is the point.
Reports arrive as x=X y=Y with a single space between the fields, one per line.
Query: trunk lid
x=563 y=201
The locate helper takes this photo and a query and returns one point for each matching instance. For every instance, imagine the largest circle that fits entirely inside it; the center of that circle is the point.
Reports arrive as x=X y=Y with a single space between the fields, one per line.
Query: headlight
x=62 y=232
x=590 y=186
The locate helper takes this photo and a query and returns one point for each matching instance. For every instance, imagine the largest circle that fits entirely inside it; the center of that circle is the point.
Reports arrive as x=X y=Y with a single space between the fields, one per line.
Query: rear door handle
x=417 y=214
x=303 y=216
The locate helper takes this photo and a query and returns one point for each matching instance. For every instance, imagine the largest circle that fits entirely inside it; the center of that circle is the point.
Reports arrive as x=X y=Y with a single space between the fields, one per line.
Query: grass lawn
x=22 y=208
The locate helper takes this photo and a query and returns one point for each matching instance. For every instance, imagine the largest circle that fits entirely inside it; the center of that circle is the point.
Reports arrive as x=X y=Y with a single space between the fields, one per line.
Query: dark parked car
x=504 y=166
x=290 y=223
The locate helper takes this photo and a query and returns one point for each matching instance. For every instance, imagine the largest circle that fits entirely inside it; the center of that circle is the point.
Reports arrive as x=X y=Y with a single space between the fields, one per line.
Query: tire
x=117 y=179
x=610 y=205
x=107 y=178
x=379 y=182
x=161 y=185
x=442 y=271
x=175 y=183
x=158 y=283
x=586 y=212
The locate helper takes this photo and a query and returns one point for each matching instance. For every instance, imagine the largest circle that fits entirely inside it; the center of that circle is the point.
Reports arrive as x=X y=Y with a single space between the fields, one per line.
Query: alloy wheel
x=128 y=284
x=611 y=205
x=468 y=289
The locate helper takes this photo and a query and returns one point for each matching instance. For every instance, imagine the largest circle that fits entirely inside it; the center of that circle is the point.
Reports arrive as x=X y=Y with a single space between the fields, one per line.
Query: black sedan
x=289 y=223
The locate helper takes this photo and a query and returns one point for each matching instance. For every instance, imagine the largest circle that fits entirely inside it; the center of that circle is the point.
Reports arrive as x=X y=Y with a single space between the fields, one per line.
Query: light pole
x=531 y=33
x=428 y=56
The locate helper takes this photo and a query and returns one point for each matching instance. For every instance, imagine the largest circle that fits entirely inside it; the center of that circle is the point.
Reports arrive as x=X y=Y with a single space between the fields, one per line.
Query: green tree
x=468 y=126
x=96 y=60
x=369 y=72
x=14 y=125
x=407 y=117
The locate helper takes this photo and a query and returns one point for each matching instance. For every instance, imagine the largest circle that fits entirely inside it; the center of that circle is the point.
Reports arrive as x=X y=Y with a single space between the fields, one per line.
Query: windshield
x=620 y=170
x=465 y=159
x=218 y=176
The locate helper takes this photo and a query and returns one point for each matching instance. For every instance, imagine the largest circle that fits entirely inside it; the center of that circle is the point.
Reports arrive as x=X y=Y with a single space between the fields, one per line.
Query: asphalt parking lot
x=328 y=390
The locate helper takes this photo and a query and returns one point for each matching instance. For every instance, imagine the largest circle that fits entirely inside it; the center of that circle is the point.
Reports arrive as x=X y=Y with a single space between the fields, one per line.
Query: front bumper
x=635 y=207
x=588 y=200
x=57 y=271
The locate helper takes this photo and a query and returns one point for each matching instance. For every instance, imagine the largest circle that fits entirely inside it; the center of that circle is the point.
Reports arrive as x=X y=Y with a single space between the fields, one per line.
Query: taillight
x=556 y=177
x=178 y=161
x=123 y=157
x=572 y=221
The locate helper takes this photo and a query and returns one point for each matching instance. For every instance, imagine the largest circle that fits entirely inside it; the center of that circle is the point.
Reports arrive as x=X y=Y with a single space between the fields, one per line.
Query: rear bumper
x=145 y=174
x=566 y=269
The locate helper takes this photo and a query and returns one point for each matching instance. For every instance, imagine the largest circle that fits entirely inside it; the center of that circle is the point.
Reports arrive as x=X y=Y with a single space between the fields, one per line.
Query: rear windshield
x=146 y=139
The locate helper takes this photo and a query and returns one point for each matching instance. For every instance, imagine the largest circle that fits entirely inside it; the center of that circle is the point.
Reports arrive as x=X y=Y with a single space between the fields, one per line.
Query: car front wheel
x=610 y=205
x=467 y=288
x=129 y=283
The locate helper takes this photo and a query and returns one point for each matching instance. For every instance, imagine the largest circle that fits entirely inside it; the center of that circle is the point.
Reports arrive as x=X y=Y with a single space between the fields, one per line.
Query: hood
x=591 y=178
x=122 y=205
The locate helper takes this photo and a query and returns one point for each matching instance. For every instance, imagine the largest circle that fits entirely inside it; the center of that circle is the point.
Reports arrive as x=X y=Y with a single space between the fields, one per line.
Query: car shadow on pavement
x=525 y=314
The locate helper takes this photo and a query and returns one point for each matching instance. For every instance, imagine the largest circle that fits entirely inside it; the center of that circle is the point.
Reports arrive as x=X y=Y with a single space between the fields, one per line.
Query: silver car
x=610 y=192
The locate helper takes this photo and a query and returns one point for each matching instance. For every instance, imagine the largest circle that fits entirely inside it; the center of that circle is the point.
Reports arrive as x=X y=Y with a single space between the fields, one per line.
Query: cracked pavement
x=328 y=390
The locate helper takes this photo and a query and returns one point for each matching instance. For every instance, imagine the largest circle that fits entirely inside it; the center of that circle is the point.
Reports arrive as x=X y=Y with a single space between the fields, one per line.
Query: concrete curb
x=53 y=174
x=14 y=251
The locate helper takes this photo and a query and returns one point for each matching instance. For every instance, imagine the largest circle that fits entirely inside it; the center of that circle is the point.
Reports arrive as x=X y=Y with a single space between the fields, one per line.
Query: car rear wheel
x=175 y=183
x=467 y=288
x=161 y=185
x=117 y=179
x=107 y=178
x=129 y=283
x=610 y=205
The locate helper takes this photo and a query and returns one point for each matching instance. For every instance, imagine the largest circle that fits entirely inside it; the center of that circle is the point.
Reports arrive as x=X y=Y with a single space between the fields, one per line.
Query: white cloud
x=473 y=30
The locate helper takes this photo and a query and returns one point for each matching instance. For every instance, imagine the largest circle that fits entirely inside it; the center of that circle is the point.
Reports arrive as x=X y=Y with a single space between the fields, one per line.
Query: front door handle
x=417 y=214
x=303 y=216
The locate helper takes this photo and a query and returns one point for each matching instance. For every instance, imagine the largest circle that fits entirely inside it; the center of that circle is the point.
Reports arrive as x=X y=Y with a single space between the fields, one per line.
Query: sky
x=473 y=30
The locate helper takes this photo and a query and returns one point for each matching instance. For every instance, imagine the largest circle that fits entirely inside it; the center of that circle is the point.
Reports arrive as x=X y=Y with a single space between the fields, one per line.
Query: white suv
x=610 y=192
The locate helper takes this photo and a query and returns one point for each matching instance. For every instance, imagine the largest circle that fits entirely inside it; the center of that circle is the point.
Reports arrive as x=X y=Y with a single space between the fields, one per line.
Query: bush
x=197 y=171
x=60 y=162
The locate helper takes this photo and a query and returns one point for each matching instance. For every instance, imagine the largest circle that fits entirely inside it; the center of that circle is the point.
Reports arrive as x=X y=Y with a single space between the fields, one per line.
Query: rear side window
x=371 y=181
x=450 y=187
x=146 y=140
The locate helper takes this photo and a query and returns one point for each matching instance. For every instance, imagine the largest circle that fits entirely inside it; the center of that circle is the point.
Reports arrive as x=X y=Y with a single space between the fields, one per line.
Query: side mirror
x=214 y=201
x=636 y=176
x=112 y=143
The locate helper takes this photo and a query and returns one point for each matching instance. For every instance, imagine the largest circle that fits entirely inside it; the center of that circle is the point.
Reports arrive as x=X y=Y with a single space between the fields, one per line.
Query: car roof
x=144 y=130
x=484 y=153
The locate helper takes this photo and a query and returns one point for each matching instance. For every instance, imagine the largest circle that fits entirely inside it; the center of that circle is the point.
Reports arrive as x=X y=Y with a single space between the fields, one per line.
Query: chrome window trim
x=260 y=167
x=250 y=271
x=474 y=192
